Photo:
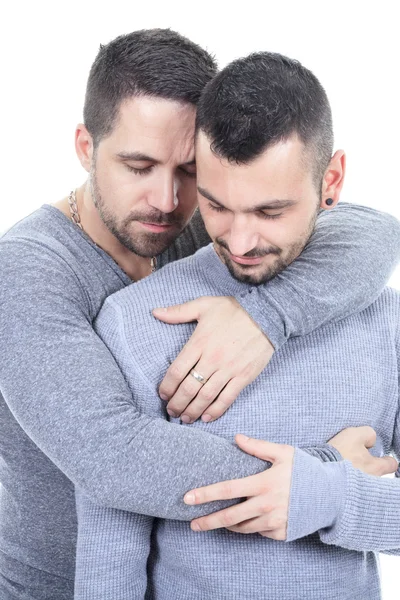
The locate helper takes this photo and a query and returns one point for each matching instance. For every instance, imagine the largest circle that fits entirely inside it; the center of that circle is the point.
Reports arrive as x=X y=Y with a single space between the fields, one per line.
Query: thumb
x=179 y=313
x=367 y=435
x=386 y=465
x=259 y=448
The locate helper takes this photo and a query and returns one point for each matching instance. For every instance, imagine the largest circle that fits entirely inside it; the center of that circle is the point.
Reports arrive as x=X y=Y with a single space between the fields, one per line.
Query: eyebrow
x=140 y=157
x=270 y=205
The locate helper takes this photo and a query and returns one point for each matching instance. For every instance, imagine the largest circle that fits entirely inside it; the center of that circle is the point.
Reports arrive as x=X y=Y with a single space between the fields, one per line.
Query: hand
x=353 y=444
x=267 y=506
x=227 y=348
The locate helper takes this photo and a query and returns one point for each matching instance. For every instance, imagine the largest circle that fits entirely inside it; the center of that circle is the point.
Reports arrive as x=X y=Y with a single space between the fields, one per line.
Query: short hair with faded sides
x=262 y=99
x=150 y=62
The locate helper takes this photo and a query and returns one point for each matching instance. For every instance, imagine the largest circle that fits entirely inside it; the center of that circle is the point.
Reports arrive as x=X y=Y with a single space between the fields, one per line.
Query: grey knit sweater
x=343 y=374
x=66 y=412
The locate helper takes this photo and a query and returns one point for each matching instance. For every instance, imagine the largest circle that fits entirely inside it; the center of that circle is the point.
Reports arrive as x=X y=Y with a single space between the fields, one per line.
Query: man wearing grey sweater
x=67 y=416
x=265 y=169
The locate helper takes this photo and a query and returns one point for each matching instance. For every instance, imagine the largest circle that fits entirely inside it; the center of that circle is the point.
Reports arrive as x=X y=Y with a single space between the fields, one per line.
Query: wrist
x=324 y=452
x=317 y=494
x=268 y=318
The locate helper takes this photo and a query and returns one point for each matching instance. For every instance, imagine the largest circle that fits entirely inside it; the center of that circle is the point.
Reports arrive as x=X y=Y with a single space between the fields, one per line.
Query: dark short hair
x=263 y=99
x=150 y=62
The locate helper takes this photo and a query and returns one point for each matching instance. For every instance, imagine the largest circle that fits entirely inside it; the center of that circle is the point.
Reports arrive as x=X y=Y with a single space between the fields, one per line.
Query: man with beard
x=67 y=416
x=265 y=168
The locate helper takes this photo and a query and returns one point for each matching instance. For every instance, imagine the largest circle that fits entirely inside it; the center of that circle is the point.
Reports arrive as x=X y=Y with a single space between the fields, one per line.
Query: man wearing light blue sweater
x=265 y=168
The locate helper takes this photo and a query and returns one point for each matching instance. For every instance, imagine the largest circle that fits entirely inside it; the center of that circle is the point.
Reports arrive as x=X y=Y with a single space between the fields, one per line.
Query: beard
x=144 y=244
x=259 y=274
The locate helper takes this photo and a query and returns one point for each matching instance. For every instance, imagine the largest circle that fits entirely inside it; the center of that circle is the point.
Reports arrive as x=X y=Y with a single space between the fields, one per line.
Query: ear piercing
x=329 y=201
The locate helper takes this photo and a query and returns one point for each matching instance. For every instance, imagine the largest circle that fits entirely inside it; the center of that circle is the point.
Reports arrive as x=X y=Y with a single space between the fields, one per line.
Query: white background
x=46 y=49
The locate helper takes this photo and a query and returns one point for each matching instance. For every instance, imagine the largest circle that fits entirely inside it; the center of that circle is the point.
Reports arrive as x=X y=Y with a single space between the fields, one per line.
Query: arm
x=66 y=391
x=349 y=508
x=319 y=286
x=112 y=551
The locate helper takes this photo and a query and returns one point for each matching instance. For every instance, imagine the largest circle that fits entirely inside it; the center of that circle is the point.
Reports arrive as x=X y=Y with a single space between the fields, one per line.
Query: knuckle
x=226 y=489
x=227 y=519
x=266 y=508
x=206 y=395
x=224 y=401
x=176 y=371
x=188 y=387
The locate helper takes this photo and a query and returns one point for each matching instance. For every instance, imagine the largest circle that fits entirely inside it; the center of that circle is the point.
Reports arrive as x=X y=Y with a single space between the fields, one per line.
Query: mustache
x=156 y=217
x=255 y=252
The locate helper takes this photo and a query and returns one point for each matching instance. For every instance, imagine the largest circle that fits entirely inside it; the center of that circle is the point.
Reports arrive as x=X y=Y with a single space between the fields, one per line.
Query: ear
x=333 y=179
x=84 y=146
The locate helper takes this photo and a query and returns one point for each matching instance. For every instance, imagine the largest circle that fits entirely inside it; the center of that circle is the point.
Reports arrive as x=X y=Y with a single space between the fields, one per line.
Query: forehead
x=154 y=125
x=279 y=172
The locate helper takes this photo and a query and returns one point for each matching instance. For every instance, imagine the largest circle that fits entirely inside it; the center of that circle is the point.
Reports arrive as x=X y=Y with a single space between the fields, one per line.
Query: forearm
x=65 y=390
x=342 y=270
x=346 y=506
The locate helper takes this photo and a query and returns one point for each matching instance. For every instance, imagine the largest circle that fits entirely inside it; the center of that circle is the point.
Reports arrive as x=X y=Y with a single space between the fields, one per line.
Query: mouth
x=156 y=227
x=244 y=260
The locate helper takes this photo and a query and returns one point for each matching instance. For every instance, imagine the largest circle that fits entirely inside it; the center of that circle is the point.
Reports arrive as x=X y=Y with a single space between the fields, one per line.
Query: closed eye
x=216 y=207
x=265 y=215
x=192 y=174
x=144 y=171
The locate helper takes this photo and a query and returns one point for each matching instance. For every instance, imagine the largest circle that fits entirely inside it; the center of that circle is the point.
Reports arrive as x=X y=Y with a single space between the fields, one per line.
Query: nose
x=242 y=236
x=164 y=194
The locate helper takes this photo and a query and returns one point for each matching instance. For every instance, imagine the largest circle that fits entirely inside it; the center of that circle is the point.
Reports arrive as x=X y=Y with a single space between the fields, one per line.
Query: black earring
x=329 y=201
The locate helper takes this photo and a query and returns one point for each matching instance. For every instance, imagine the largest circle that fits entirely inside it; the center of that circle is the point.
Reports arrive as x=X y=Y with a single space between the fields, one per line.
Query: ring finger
x=188 y=389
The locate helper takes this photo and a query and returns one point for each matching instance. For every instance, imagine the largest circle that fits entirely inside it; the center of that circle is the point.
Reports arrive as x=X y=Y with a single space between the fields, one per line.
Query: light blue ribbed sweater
x=343 y=374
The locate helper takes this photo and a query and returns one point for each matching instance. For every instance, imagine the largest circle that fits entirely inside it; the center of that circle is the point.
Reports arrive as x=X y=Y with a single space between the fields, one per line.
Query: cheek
x=123 y=186
x=283 y=232
x=218 y=224
x=291 y=229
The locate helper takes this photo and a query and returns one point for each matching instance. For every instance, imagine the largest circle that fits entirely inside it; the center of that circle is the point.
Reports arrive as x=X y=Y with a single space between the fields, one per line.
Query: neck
x=136 y=267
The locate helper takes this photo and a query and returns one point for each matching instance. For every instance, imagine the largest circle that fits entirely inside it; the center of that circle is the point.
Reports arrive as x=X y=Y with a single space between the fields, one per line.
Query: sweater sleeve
x=346 y=506
x=342 y=270
x=66 y=391
x=112 y=551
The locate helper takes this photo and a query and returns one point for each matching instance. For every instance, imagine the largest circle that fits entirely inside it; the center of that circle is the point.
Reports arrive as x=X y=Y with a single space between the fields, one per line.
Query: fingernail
x=186 y=419
x=206 y=418
x=160 y=309
x=164 y=397
x=189 y=498
x=195 y=527
x=171 y=412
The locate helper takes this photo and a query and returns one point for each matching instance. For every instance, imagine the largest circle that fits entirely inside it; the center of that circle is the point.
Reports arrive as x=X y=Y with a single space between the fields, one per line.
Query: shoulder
x=36 y=257
x=177 y=282
x=45 y=230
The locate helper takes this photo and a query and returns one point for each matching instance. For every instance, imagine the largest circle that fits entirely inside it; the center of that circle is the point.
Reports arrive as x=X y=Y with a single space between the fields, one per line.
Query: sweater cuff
x=267 y=314
x=324 y=452
x=317 y=495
